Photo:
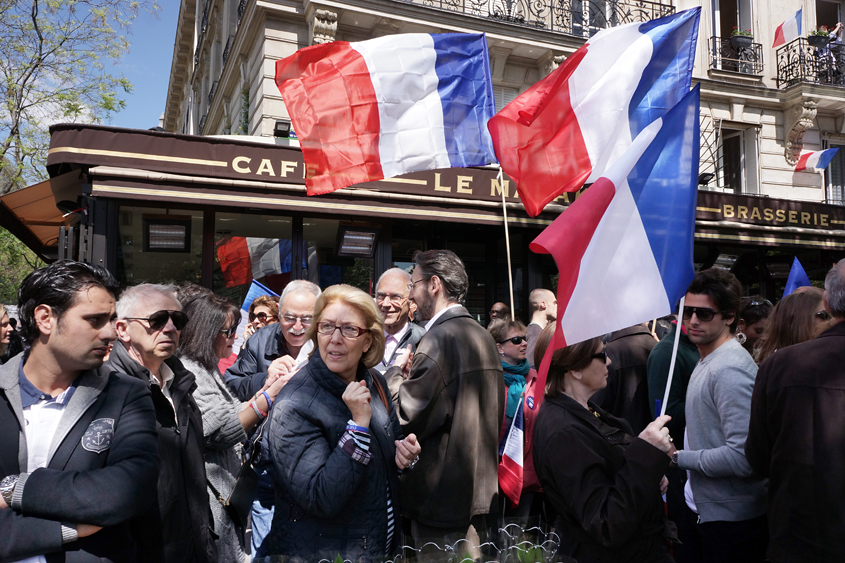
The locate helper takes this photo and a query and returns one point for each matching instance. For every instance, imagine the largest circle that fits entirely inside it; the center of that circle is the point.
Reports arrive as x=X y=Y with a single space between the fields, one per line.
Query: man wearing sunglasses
x=796 y=438
x=149 y=321
x=78 y=452
x=725 y=515
x=392 y=300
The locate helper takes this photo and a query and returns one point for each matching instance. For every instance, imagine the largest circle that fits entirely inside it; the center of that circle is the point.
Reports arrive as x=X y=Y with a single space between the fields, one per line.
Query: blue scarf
x=515 y=381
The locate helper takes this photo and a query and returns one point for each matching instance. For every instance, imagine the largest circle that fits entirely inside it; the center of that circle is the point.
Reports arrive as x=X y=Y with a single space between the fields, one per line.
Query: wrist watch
x=675 y=457
x=7 y=487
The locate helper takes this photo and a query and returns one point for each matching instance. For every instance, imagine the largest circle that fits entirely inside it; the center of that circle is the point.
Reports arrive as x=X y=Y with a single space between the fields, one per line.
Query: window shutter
x=502 y=96
x=752 y=183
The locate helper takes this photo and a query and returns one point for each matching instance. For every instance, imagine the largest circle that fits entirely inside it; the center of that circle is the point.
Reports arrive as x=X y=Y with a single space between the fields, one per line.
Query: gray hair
x=834 y=286
x=446 y=265
x=395 y=272
x=129 y=299
x=299 y=286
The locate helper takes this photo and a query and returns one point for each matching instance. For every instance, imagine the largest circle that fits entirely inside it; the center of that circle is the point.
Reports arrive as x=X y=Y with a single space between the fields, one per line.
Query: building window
x=736 y=169
x=835 y=177
x=503 y=96
x=828 y=13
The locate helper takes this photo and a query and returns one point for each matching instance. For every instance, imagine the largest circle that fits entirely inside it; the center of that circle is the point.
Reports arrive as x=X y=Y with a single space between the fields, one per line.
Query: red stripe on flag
x=233 y=255
x=538 y=139
x=332 y=104
x=567 y=239
x=779 y=38
x=510 y=479
x=802 y=161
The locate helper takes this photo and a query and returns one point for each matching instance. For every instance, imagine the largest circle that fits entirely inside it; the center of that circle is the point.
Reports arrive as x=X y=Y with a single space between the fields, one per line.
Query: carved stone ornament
x=323 y=27
x=553 y=62
x=800 y=118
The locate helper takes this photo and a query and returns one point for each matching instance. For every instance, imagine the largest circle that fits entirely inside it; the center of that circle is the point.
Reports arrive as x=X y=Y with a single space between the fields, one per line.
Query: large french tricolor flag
x=815 y=161
x=243 y=259
x=624 y=249
x=510 y=468
x=788 y=30
x=569 y=127
x=388 y=106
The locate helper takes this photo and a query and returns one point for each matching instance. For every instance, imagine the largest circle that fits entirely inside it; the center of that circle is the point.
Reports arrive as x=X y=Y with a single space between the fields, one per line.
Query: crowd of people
x=373 y=427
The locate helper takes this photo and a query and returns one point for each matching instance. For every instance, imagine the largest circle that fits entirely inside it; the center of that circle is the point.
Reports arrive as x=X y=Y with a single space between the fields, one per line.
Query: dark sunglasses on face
x=758 y=303
x=823 y=315
x=158 y=320
x=704 y=314
x=230 y=332
x=601 y=356
x=263 y=317
x=515 y=340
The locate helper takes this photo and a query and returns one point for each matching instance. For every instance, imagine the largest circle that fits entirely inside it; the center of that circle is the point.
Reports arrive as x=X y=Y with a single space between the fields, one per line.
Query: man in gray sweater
x=725 y=519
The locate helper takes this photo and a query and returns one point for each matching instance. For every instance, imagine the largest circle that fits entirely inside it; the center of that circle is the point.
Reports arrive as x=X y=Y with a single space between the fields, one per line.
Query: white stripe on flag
x=513 y=447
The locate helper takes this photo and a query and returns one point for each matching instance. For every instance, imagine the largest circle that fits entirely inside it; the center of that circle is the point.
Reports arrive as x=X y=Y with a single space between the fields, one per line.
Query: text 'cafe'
x=155 y=206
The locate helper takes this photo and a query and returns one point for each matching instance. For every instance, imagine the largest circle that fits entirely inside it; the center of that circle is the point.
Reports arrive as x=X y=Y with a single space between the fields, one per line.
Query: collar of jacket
x=578 y=410
x=836 y=330
x=277 y=346
x=329 y=380
x=631 y=330
x=183 y=380
x=451 y=313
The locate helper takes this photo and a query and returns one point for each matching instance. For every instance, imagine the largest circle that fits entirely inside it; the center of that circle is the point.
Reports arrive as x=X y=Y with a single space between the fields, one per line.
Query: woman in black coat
x=335 y=442
x=604 y=483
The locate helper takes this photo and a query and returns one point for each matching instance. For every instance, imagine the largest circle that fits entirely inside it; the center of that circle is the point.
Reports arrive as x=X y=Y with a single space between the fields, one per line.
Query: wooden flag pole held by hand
x=674 y=356
x=507 y=240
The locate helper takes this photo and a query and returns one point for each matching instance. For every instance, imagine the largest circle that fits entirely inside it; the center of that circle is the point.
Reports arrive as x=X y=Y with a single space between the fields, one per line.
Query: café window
x=251 y=246
x=159 y=245
x=835 y=177
x=335 y=253
x=737 y=168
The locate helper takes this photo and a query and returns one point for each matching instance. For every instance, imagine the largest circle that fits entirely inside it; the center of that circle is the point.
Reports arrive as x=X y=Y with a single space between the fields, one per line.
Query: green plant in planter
x=742 y=32
x=820 y=31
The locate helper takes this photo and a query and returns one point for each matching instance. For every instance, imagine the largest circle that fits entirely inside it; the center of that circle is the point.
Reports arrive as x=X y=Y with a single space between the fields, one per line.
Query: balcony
x=744 y=60
x=570 y=17
x=799 y=62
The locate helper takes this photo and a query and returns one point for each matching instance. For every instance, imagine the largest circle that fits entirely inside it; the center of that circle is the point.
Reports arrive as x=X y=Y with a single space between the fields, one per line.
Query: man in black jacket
x=392 y=298
x=149 y=322
x=78 y=450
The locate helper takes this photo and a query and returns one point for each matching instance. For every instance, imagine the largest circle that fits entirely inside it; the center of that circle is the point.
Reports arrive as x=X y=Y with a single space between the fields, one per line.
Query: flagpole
x=507 y=239
x=674 y=356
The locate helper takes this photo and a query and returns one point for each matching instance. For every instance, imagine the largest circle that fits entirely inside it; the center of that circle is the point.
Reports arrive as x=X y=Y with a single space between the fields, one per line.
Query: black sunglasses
x=601 y=356
x=704 y=314
x=823 y=315
x=515 y=340
x=230 y=332
x=758 y=303
x=158 y=320
x=262 y=316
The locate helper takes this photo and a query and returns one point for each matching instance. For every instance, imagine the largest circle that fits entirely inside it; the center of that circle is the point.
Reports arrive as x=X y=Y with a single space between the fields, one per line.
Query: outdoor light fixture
x=167 y=233
x=354 y=241
x=282 y=128
x=705 y=177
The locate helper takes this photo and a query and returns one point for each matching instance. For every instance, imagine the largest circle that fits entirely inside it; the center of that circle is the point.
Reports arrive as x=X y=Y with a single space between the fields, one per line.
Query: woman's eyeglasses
x=517 y=340
x=347 y=331
x=824 y=315
x=601 y=356
x=158 y=320
x=704 y=314
x=263 y=317
x=230 y=332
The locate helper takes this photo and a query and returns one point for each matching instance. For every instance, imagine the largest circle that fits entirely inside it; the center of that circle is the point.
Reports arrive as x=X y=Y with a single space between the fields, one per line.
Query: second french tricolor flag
x=788 y=30
x=815 y=161
x=388 y=106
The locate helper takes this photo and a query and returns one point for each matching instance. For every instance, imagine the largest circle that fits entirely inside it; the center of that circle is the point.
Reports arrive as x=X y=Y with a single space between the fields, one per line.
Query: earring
x=740 y=337
x=503 y=354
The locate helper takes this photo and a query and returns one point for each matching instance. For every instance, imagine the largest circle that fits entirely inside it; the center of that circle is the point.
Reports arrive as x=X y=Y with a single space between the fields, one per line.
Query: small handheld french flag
x=815 y=161
x=788 y=30
x=510 y=468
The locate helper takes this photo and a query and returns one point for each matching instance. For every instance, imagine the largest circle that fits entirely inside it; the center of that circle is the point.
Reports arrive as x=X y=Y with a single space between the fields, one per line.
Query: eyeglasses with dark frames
x=704 y=314
x=158 y=320
x=515 y=340
x=306 y=320
x=758 y=303
x=347 y=331
x=414 y=283
x=393 y=298
x=230 y=332
x=262 y=316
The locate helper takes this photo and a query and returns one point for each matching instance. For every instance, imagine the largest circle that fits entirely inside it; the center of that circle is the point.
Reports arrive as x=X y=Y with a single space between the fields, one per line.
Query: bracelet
x=269 y=401
x=413 y=463
x=354 y=427
x=260 y=413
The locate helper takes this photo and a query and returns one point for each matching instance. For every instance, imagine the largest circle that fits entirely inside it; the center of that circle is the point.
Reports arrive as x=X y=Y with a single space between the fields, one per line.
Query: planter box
x=818 y=41
x=741 y=41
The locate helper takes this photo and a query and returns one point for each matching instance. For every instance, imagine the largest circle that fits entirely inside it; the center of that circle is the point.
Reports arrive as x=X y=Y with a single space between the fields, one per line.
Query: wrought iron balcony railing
x=798 y=61
x=728 y=55
x=241 y=9
x=582 y=18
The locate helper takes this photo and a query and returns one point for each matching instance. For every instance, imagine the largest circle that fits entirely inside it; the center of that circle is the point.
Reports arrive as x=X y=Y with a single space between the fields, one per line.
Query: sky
x=147 y=66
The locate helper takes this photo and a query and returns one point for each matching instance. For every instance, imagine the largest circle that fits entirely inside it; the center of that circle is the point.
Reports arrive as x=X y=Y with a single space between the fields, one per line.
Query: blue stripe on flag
x=466 y=92
x=667 y=77
x=664 y=183
x=824 y=158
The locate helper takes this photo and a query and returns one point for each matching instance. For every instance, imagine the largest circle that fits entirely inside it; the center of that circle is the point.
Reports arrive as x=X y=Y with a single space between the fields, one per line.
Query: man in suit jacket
x=393 y=300
x=796 y=439
x=453 y=400
x=78 y=448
